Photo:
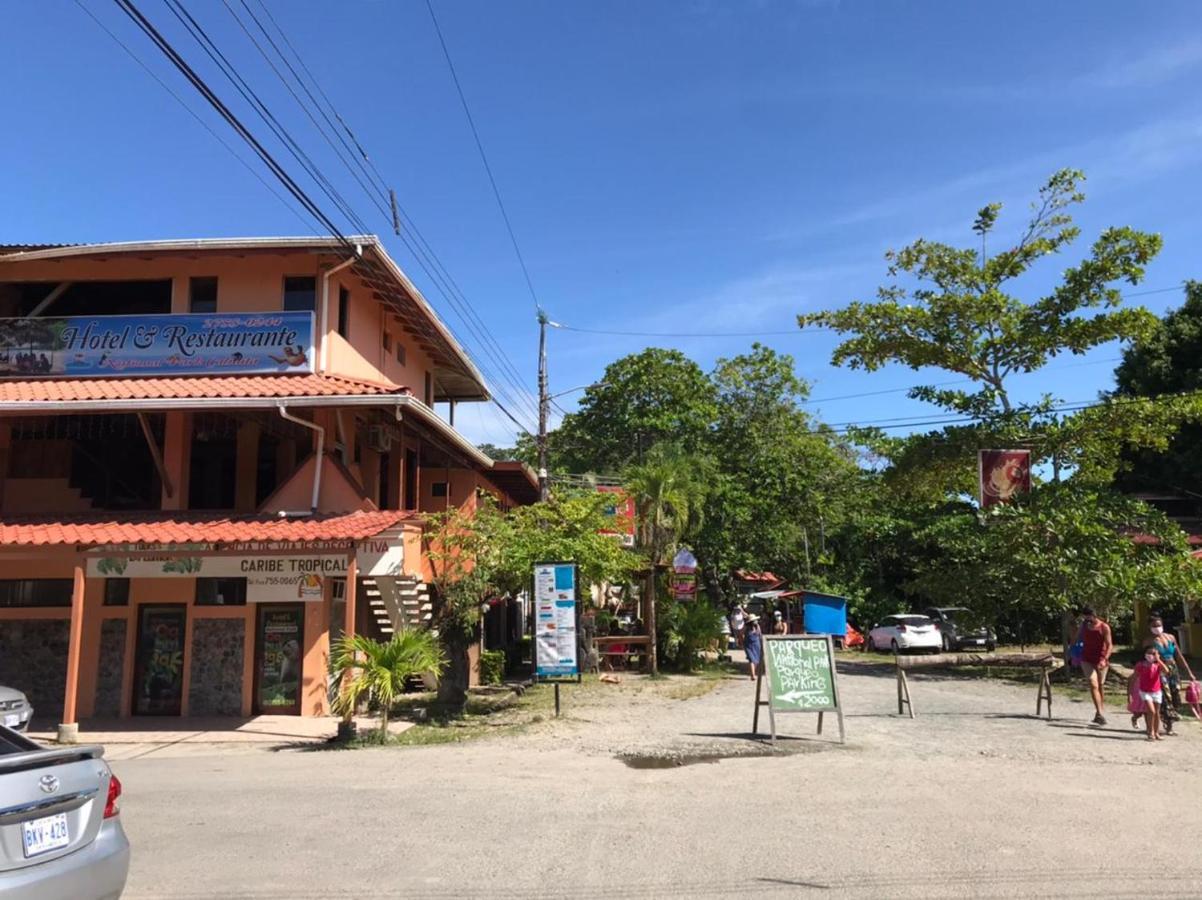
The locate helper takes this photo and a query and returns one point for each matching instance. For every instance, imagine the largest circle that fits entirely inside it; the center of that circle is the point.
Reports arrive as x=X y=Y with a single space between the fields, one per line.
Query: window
x=387 y=342
x=344 y=312
x=202 y=295
x=36 y=592
x=213 y=467
x=429 y=395
x=400 y=353
x=438 y=488
x=300 y=293
x=221 y=592
x=116 y=592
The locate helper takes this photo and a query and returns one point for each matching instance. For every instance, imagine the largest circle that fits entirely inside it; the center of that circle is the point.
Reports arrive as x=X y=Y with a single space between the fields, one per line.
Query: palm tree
x=378 y=670
x=669 y=489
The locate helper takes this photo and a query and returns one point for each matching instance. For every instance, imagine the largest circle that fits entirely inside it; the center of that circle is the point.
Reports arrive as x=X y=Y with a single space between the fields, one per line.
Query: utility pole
x=543 y=401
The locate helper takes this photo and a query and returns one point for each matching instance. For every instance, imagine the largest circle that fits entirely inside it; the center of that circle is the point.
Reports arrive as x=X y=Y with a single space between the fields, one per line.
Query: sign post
x=801 y=677
x=555 y=624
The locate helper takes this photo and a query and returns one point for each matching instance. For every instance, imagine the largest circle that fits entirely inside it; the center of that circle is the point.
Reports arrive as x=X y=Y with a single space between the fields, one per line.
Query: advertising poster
x=555 y=619
x=279 y=343
x=1004 y=474
x=279 y=672
x=621 y=514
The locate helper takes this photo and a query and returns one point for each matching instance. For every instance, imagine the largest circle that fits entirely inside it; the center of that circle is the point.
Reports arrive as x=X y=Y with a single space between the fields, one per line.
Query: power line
x=1096 y=362
x=195 y=115
x=483 y=156
x=128 y=7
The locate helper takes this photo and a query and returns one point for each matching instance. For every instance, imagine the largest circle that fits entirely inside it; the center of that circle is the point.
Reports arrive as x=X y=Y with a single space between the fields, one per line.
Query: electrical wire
x=165 y=46
x=483 y=156
x=195 y=115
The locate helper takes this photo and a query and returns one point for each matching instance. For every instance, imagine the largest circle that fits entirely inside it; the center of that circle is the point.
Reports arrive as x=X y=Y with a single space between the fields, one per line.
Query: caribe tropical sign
x=110 y=346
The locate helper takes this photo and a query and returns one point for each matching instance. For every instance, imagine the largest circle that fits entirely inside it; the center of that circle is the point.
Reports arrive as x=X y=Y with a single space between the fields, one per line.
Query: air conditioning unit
x=379 y=438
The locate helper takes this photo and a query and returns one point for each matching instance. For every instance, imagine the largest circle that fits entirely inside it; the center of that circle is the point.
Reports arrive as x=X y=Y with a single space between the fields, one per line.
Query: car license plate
x=44 y=835
x=12 y=721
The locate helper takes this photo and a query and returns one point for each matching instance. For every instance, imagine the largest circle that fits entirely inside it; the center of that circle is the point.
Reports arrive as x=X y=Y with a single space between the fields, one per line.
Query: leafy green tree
x=669 y=488
x=488 y=553
x=642 y=400
x=377 y=671
x=688 y=628
x=949 y=307
x=780 y=478
x=1168 y=362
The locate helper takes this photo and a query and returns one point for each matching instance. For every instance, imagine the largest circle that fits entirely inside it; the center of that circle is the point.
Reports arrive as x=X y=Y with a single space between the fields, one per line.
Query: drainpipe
x=325 y=305
x=321 y=449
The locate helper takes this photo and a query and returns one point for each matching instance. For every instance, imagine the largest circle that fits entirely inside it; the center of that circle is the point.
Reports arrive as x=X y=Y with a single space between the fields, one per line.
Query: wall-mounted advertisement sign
x=555 y=620
x=113 y=346
x=270 y=578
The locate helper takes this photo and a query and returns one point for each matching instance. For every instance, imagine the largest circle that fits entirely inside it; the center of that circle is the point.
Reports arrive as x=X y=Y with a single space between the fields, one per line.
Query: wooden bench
x=635 y=645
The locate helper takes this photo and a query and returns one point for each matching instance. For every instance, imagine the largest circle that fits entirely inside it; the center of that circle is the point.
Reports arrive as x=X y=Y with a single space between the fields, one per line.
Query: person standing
x=737 y=620
x=1096 y=645
x=779 y=625
x=753 y=644
x=1148 y=674
x=1170 y=654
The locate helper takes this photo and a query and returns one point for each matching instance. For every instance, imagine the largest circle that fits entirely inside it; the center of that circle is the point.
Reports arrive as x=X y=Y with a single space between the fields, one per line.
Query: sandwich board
x=801 y=677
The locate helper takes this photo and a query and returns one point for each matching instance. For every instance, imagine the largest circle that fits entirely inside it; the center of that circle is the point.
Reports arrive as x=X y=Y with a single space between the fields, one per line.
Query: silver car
x=60 y=828
x=15 y=709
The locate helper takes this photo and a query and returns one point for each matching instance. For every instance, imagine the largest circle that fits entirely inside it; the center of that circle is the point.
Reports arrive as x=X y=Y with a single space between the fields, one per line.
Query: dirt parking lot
x=635 y=793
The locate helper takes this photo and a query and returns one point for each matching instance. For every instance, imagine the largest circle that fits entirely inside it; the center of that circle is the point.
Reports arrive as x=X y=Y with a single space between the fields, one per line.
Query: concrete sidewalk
x=263 y=730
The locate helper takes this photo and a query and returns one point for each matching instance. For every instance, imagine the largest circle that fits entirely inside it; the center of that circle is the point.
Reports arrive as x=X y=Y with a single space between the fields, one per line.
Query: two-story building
x=215 y=457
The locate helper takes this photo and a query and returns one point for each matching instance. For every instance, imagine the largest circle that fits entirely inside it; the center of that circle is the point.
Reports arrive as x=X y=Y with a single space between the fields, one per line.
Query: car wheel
x=947 y=644
x=896 y=648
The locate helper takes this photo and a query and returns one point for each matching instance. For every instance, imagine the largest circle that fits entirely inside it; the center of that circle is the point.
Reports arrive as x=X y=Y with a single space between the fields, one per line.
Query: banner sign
x=621 y=512
x=269 y=578
x=555 y=620
x=1004 y=474
x=185 y=344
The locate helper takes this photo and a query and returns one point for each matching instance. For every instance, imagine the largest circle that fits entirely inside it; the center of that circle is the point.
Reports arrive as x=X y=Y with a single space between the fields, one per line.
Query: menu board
x=555 y=650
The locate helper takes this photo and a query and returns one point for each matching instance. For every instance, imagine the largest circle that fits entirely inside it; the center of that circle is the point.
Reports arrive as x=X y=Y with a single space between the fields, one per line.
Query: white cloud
x=1155 y=67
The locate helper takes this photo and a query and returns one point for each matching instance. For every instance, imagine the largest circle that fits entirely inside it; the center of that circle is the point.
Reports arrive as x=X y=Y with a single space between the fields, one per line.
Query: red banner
x=1004 y=474
x=622 y=512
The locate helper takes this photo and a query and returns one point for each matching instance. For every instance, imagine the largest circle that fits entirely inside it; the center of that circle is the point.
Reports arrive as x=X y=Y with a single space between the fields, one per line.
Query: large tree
x=951 y=308
x=641 y=400
x=1168 y=362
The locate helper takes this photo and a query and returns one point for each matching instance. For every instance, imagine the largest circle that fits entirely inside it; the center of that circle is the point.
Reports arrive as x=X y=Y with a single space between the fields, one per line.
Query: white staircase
x=397 y=603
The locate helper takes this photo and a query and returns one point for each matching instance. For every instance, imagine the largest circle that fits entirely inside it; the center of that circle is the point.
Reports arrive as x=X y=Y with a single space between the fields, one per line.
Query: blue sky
x=697 y=166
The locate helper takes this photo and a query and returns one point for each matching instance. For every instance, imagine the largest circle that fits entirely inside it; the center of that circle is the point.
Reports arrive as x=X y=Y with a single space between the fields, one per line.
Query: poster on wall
x=187 y=344
x=1004 y=474
x=555 y=620
x=280 y=658
x=620 y=513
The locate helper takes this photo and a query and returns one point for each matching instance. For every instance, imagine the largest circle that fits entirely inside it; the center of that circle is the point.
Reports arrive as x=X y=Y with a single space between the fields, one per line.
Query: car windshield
x=911 y=620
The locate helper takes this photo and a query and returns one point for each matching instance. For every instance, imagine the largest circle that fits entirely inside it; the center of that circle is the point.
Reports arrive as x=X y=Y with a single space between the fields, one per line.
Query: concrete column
x=352 y=577
x=177 y=454
x=68 y=729
x=247 y=467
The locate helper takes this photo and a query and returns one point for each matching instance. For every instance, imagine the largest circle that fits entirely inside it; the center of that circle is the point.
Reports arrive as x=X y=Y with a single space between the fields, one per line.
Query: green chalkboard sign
x=799 y=670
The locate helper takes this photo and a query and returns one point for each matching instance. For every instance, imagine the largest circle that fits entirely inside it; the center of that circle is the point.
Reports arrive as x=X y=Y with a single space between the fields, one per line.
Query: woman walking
x=1170 y=654
x=753 y=644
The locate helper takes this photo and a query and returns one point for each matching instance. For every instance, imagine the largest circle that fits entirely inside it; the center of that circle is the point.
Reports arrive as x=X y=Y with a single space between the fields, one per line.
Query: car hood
x=7 y=693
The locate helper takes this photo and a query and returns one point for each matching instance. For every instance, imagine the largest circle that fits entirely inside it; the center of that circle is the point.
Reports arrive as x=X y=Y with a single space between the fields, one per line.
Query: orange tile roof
x=170 y=527
x=190 y=388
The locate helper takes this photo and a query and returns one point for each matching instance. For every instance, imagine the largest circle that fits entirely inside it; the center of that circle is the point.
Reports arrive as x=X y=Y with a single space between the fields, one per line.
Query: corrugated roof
x=167 y=527
x=59 y=390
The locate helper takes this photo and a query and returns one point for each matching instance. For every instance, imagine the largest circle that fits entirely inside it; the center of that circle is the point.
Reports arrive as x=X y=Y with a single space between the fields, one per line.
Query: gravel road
x=973 y=798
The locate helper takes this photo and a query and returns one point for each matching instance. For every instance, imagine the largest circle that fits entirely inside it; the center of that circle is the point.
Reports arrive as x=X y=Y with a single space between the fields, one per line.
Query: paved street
x=975 y=797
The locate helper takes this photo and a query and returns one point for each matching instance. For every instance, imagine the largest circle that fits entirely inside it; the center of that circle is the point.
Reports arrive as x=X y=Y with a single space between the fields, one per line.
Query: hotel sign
x=111 y=346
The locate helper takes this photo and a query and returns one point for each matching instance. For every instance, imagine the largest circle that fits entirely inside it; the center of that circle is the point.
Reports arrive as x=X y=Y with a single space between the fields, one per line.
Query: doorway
x=279 y=654
x=159 y=660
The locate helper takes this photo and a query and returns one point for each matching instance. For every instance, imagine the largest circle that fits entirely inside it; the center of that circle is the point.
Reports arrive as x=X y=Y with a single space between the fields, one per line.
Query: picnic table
x=618 y=648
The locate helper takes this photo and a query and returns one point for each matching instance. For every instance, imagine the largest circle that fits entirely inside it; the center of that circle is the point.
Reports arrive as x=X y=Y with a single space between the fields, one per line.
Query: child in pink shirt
x=1147 y=680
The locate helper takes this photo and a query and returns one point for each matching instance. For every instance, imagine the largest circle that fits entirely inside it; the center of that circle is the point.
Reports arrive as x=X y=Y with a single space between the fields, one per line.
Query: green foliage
x=641 y=400
x=953 y=313
x=377 y=671
x=492 y=666
x=668 y=488
x=687 y=628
